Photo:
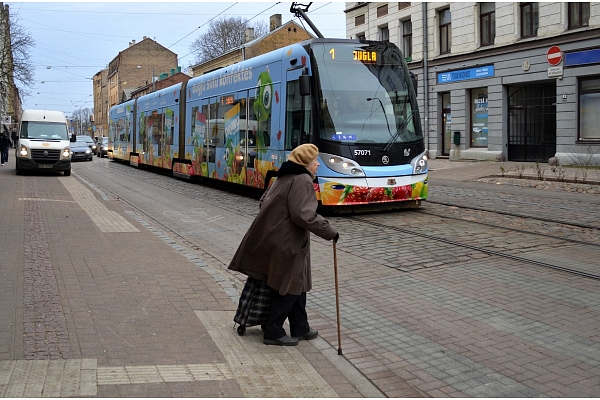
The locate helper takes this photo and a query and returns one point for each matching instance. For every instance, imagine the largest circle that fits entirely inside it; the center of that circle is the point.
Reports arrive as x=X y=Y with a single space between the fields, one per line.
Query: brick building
x=279 y=36
x=100 y=91
x=517 y=81
x=132 y=68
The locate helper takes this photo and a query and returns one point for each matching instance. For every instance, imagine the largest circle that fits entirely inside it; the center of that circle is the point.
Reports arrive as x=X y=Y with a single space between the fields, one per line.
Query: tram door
x=532 y=122
x=214 y=136
x=248 y=131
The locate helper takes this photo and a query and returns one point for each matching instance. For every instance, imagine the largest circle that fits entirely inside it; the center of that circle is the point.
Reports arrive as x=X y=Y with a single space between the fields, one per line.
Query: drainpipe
x=426 y=75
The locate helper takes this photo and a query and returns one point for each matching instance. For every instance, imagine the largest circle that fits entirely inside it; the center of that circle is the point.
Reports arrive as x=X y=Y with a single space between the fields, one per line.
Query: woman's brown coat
x=276 y=247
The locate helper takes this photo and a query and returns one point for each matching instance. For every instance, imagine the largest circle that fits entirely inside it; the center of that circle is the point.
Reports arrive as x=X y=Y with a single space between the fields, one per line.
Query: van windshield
x=44 y=130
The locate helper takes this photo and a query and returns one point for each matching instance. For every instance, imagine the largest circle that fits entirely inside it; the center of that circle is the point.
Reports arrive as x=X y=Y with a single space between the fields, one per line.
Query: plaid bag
x=253 y=308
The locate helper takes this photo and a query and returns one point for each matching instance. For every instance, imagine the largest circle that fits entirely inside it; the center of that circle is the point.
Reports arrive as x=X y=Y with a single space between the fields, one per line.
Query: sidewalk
x=467 y=170
x=96 y=304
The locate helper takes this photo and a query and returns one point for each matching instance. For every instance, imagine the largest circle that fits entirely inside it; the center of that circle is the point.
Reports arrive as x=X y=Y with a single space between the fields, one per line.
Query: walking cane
x=337 y=299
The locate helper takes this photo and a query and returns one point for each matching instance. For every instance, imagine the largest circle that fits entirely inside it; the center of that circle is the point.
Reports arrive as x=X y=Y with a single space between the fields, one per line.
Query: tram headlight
x=419 y=164
x=342 y=165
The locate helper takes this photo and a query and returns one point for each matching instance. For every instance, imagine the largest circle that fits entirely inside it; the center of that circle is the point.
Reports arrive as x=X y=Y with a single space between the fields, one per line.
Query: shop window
x=529 y=19
x=445 y=19
x=479 y=117
x=407 y=38
x=589 y=104
x=487 y=23
x=579 y=15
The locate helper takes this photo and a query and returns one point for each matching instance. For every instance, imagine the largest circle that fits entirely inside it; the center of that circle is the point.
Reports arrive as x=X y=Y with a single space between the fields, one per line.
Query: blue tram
x=354 y=99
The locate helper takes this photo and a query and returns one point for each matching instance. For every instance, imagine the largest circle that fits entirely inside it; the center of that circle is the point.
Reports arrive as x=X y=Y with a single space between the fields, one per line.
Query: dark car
x=90 y=142
x=101 y=146
x=80 y=150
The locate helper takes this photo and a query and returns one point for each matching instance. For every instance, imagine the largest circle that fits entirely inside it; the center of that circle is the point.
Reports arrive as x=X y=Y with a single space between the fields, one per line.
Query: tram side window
x=297 y=131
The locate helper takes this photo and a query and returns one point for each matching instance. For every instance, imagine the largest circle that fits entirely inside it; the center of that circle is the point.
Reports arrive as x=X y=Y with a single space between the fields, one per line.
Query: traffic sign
x=554 y=55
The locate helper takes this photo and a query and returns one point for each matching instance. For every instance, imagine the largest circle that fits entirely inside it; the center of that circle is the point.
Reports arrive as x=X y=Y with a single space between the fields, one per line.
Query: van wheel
x=68 y=172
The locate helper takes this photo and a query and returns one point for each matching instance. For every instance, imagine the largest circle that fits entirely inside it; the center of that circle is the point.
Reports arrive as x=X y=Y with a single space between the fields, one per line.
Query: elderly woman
x=276 y=248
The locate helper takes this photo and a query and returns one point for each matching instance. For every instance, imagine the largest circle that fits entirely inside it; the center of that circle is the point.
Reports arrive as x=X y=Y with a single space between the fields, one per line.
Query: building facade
x=100 y=91
x=132 y=68
x=10 y=100
x=496 y=81
x=279 y=36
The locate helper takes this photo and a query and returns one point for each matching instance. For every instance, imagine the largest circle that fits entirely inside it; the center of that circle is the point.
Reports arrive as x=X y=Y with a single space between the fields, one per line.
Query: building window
x=402 y=6
x=384 y=34
x=445 y=31
x=361 y=36
x=487 y=23
x=579 y=15
x=382 y=11
x=479 y=117
x=529 y=19
x=407 y=38
x=589 y=104
x=359 y=20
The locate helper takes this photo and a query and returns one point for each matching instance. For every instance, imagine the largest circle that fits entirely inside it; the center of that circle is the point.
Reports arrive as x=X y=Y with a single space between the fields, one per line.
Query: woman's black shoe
x=311 y=334
x=283 y=341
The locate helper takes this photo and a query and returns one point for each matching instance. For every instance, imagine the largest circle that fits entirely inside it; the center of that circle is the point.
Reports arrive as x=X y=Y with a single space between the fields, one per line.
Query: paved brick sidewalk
x=94 y=303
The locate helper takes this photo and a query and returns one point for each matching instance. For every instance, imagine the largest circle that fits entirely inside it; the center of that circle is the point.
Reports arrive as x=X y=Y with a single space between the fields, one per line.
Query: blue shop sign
x=582 y=57
x=486 y=71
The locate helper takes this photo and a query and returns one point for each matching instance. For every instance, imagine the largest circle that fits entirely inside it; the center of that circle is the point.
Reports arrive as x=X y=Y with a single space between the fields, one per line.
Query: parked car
x=90 y=142
x=80 y=150
x=101 y=146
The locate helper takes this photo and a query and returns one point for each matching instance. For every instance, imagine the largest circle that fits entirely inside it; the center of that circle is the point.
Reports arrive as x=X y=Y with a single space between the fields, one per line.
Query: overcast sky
x=75 y=40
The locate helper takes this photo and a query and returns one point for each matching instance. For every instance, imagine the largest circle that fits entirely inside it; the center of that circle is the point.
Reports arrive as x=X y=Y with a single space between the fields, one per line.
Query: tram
x=354 y=100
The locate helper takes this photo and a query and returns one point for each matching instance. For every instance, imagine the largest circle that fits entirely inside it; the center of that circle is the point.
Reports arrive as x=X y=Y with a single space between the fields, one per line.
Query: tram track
x=512 y=214
x=240 y=207
x=478 y=248
x=479 y=222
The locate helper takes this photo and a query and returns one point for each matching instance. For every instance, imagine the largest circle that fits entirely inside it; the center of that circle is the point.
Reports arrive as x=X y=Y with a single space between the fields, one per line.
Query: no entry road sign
x=554 y=55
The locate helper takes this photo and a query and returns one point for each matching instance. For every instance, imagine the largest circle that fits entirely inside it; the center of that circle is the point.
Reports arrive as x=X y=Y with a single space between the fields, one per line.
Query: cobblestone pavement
x=131 y=296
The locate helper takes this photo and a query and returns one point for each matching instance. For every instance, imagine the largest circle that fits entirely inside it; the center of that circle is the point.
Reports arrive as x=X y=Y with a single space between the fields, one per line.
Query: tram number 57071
x=362 y=152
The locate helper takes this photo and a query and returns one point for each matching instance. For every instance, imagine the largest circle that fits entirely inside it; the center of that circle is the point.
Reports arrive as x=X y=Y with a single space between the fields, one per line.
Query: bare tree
x=16 y=67
x=81 y=121
x=223 y=35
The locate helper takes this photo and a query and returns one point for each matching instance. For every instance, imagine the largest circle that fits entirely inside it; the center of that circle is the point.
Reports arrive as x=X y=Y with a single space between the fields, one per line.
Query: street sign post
x=554 y=55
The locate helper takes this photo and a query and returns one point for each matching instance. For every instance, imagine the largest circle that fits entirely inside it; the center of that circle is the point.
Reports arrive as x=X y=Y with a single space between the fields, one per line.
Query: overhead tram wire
x=204 y=24
x=191 y=52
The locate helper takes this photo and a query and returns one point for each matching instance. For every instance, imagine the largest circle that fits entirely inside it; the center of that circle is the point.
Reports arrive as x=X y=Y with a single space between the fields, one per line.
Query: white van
x=44 y=142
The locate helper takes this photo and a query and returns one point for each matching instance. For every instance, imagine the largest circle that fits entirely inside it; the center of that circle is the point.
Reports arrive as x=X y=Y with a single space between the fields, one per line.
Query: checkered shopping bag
x=253 y=308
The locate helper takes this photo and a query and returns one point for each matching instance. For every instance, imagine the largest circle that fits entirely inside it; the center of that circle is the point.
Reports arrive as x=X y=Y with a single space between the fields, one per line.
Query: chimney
x=248 y=35
x=132 y=43
x=274 y=22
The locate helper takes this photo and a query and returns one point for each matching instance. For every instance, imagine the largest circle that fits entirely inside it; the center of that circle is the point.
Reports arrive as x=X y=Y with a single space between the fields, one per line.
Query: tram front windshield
x=364 y=95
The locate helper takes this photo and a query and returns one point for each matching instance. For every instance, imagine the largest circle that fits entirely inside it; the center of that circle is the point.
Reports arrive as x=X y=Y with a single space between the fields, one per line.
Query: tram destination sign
x=486 y=71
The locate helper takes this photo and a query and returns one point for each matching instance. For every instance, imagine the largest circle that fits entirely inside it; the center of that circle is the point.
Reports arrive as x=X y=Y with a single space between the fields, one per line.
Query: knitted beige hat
x=304 y=154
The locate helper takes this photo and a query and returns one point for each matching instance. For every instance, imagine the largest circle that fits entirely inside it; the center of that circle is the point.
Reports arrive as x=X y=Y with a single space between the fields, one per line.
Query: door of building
x=532 y=122
x=446 y=124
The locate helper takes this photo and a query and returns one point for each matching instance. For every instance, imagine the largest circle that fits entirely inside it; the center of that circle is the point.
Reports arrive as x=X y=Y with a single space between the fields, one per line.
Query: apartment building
x=496 y=81
x=136 y=66
x=10 y=100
